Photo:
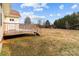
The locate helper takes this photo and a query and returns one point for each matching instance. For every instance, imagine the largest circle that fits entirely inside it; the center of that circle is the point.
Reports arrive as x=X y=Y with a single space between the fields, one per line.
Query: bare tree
x=67 y=25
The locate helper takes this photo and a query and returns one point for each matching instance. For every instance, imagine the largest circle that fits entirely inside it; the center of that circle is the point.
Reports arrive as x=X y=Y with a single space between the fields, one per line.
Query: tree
x=27 y=20
x=47 y=24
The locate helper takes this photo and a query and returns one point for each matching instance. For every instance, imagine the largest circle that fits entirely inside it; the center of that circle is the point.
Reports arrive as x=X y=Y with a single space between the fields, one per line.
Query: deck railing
x=16 y=28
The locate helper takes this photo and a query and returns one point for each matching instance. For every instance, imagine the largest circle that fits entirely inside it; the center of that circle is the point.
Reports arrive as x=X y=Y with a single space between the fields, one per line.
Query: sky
x=44 y=11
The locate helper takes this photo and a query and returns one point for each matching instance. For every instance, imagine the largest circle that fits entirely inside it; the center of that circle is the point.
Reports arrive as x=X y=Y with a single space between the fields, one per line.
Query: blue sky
x=44 y=11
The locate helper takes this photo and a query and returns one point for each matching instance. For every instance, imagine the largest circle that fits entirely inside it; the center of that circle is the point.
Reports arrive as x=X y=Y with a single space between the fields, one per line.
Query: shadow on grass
x=19 y=50
x=27 y=48
x=17 y=36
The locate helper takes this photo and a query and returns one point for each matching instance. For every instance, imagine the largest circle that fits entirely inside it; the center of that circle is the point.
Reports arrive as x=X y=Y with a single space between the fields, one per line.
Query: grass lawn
x=51 y=42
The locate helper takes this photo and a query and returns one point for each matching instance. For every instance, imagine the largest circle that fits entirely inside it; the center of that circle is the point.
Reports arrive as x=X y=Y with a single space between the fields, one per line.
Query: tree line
x=68 y=22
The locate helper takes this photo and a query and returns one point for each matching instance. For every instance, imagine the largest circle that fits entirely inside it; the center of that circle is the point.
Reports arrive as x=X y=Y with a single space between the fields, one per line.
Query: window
x=11 y=19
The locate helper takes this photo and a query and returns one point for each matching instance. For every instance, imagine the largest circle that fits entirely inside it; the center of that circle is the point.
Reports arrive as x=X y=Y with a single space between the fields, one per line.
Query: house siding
x=9 y=25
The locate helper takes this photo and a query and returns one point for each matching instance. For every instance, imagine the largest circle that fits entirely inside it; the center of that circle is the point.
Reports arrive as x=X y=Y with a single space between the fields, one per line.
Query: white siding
x=11 y=25
x=7 y=20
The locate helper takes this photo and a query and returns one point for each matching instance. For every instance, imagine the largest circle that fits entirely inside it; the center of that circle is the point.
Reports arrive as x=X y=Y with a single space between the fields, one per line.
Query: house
x=11 y=18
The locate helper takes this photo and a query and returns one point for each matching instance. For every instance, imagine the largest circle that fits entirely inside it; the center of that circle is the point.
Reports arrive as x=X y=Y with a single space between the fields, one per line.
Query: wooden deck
x=12 y=32
x=20 y=31
x=23 y=29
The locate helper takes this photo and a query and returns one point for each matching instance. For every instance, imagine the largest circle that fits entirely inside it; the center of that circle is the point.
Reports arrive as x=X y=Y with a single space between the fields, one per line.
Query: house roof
x=14 y=13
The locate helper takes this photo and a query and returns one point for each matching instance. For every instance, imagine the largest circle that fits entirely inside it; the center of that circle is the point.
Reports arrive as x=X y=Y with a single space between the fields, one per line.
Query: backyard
x=51 y=42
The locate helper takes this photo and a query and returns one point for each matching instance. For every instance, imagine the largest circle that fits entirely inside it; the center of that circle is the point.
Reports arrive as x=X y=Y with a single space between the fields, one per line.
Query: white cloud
x=61 y=7
x=74 y=6
x=51 y=15
x=35 y=6
x=69 y=13
x=36 y=17
x=27 y=5
x=38 y=9
x=27 y=13
x=58 y=14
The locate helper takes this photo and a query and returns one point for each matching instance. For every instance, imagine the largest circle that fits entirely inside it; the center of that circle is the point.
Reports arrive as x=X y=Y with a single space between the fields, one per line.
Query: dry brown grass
x=51 y=42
